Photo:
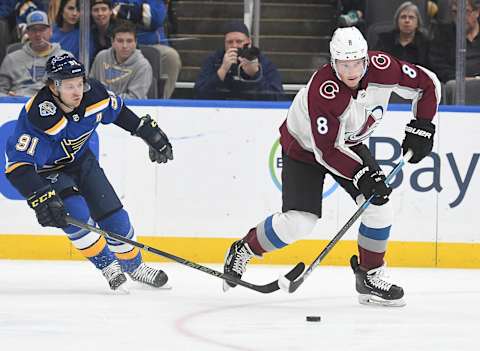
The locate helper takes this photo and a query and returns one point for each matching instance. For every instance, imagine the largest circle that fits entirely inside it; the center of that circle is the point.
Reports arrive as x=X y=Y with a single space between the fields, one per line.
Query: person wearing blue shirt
x=148 y=15
x=239 y=71
x=13 y=15
x=66 y=30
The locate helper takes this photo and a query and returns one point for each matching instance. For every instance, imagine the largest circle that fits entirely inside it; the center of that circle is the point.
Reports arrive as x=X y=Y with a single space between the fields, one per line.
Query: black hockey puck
x=314 y=318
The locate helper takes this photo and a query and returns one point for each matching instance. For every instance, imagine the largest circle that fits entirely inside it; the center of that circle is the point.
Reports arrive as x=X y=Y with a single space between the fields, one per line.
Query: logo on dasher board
x=275 y=164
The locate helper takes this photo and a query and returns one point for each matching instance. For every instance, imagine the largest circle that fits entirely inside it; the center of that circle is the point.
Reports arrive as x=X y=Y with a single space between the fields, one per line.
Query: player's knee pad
x=76 y=206
x=378 y=216
x=117 y=222
x=293 y=225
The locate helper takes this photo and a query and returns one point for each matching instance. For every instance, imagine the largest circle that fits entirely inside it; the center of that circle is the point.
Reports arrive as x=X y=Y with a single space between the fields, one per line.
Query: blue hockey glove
x=160 y=149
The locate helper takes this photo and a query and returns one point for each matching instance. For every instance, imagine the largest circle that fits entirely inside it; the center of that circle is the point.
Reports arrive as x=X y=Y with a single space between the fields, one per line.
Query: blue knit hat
x=236 y=26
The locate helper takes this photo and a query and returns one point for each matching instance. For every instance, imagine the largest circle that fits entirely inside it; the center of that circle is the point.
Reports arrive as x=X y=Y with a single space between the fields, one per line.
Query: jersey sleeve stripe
x=14 y=166
x=57 y=127
x=97 y=107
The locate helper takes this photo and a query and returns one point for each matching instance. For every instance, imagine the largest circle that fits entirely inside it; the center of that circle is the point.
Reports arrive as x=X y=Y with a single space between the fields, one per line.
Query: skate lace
x=377 y=278
x=242 y=257
x=144 y=273
x=112 y=270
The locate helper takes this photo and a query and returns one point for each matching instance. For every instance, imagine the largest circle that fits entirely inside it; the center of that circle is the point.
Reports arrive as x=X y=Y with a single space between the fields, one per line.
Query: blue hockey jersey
x=48 y=138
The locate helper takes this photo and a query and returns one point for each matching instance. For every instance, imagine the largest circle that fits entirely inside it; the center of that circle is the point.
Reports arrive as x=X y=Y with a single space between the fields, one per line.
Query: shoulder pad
x=383 y=68
x=97 y=98
x=97 y=92
x=44 y=114
x=327 y=90
x=379 y=60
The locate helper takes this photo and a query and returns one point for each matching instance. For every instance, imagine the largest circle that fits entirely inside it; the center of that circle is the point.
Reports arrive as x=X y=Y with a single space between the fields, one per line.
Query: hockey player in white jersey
x=324 y=133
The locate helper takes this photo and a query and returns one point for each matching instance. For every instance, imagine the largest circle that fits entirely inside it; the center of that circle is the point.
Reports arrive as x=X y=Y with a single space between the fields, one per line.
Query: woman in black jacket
x=407 y=41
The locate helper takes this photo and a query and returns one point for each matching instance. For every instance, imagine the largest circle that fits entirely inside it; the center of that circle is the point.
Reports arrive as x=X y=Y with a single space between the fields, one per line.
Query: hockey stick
x=290 y=285
x=266 y=289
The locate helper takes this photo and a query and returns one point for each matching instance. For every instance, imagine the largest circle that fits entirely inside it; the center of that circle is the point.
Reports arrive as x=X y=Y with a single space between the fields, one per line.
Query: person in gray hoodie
x=122 y=68
x=22 y=71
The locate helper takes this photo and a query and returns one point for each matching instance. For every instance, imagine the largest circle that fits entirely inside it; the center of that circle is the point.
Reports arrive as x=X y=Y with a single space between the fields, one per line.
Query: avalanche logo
x=372 y=119
x=275 y=167
x=381 y=61
x=329 y=89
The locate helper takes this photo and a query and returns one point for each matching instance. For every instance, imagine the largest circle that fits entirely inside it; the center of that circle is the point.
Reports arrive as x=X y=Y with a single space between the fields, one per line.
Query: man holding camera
x=239 y=71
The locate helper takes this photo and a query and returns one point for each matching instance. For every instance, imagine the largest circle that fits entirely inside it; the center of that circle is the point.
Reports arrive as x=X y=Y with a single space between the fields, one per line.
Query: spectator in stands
x=149 y=16
x=352 y=14
x=407 y=41
x=7 y=8
x=122 y=68
x=67 y=31
x=432 y=8
x=13 y=15
x=6 y=18
x=442 y=50
x=53 y=9
x=102 y=24
x=22 y=71
x=228 y=73
x=22 y=10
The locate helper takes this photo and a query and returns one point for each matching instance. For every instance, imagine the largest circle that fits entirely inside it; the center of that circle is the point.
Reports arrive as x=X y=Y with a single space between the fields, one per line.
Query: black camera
x=249 y=53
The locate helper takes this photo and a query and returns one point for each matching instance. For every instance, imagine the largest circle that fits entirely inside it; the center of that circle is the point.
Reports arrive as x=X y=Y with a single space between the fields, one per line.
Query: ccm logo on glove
x=42 y=198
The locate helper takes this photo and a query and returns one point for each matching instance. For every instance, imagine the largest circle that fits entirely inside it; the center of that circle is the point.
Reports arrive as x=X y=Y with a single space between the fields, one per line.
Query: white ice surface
x=67 y=306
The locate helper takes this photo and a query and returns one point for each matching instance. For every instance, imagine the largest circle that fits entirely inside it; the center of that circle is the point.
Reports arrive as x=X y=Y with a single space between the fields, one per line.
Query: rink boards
x=226 y=178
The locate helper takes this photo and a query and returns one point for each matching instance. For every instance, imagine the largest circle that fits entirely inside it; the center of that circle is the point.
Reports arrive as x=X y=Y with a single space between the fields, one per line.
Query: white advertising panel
x=226 y=176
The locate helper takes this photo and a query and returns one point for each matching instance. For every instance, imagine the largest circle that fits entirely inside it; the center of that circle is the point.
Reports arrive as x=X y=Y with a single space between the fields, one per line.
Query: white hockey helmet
x=348 y=44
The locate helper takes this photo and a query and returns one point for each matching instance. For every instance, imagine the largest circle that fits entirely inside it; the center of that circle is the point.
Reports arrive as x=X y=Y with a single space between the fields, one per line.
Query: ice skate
x=114 y=275
x=151 y=276
x=373 y=289
x=236 y=261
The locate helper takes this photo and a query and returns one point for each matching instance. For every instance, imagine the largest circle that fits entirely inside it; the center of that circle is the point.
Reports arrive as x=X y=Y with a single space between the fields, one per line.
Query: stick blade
x=295 y=272
x=285 y=281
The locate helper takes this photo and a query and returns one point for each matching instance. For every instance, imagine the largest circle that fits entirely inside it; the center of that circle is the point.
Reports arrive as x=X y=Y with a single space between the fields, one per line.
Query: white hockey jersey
x=326 y=117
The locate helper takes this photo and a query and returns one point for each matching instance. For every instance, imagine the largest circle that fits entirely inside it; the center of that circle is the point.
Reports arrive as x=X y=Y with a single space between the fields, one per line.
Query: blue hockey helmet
x=63 y=67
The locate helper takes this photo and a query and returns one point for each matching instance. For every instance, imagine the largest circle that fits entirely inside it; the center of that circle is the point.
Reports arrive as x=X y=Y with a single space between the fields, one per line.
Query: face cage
x=334 y=66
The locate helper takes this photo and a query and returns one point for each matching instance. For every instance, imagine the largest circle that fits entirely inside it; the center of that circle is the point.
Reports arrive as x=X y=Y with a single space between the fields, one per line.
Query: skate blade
x=165 y=287
x=225 y=286
x=143 y=286
x=372 y=300
x=121 y=290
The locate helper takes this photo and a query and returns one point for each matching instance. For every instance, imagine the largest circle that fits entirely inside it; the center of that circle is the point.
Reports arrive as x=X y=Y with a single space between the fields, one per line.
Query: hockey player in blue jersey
x=51 y=165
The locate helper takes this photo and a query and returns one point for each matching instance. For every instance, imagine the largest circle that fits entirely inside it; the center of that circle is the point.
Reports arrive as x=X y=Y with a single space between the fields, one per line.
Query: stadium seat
x=375 y=29
x=472 y=92
x=14 y=47
x=5 y=33
x=158 y=81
